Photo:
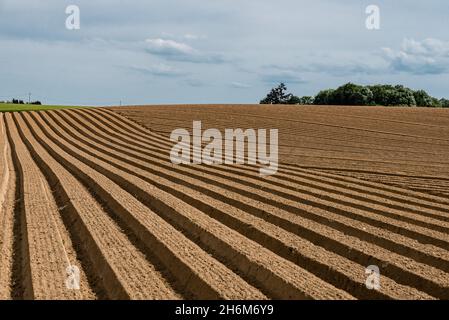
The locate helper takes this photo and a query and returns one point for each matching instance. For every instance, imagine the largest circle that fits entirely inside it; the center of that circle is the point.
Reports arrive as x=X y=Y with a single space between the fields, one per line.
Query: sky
x=216 y=51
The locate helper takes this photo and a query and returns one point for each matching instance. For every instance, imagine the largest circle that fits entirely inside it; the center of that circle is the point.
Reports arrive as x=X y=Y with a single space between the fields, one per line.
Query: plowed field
x=95 y=189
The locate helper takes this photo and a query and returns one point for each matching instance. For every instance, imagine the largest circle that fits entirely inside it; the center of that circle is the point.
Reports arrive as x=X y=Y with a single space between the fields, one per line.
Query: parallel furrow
x=204 y=113
x=46 y=245
x=420 y=230
x=341 y=272
x=148 y=169
x=288 y=170
x=278 y=277
x=7 y=205
x=186 y=260
x=151 y=160
x=124 y=271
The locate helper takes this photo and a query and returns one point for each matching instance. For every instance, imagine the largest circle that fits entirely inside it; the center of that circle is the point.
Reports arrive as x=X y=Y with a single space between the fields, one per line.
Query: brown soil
x=95 y=189
x=404 y=147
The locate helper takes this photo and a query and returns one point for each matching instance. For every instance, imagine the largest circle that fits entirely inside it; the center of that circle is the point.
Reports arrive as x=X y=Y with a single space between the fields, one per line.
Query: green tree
x=382 y=94
x=387 y=95
x=423 y=99
x=294 y=100
x=436 y=103
x=444 y=103
x=351 y=94
x=277 y=95
x=306 y=100
x=402 y=96
x=324 y=97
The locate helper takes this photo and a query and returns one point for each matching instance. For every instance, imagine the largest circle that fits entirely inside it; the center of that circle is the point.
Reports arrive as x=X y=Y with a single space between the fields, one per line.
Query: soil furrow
x=123 y=270
x=434 y=259
x=336 y=126
x=170 y=245
x=440 y=263
x=375 y=217
x=236 y=250
x=219 y=194
x=425 y=200
x=205 y=112
x=128 y=126
x=210 y=209
x=95 y=190
x=44 y=269
x=295 y=249
x=7 y=205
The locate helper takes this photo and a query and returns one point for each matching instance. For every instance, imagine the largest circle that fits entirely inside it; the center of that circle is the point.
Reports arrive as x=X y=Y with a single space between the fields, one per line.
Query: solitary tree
x=277 y=95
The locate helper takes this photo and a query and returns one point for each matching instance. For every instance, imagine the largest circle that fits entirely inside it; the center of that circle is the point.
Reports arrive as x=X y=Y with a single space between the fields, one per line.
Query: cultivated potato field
x=91 y=207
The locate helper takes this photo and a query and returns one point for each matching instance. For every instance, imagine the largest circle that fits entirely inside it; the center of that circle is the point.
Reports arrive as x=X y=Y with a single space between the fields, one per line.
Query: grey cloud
x=195 y=83
x=427 y=57
x=221 y=44
x=239 y=85
x=190 y=36
x=273 y=75
x=158 y=71
x=342 y=69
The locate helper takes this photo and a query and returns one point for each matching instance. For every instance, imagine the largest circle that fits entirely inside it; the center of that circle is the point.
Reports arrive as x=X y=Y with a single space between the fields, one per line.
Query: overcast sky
x=216 y=51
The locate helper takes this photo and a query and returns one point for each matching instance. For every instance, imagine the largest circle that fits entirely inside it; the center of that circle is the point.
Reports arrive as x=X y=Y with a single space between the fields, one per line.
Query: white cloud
x=178 y=51
x=428 y=47
x=169 y=47
x=430 y=56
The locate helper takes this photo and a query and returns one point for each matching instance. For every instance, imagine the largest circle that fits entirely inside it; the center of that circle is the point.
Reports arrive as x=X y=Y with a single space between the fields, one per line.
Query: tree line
x=351 y=94
x=18 y=101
